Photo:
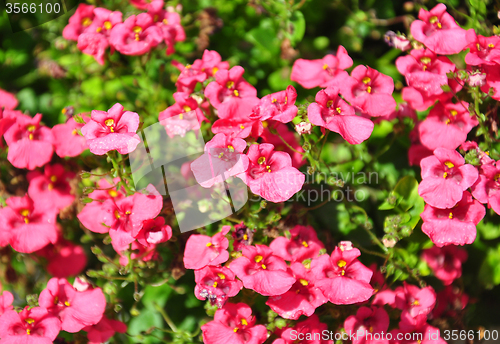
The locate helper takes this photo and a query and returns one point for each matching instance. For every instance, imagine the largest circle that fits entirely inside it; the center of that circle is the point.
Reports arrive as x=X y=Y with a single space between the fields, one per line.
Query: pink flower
x=492 y=81
x=414 y=300
x=78 y=22
x=367 y=90
x=6 y=299
x=368 y=320
x=483 y=50
x=446 y=126
x=170 y=26
x=30 y=144
x=234 y=118
x=277 y=106
x=270 y=174
x=65 y=259
x=210 y=63
x=183 y=104
x=476 y=79
x=30 y=326
x=456 y=226
x=342 y=278
x=487 y=187
x=330 y=111
x=309 y=331
x=52 y=186
x=450 y=302
x=438 y=31
x=445 y=262
x=104 y=20
x=216 y=284
x=234 y=324
x=202 y=250
x=189 y=77
x=262 y=271
x=92 y=215
x=229 y=84
x=136 y=35
x=445 y=177
x=303 y=128
x=75 y=309
x=104 y=330
x=93 y=44
x=313 y=73
x=425 y=73
x=222 y=159
x=67 y=142
x=21 y=218
x=125 y=217
x=147 y=4
x=154 y=232
x=114 y=129
x=8 y=101
x=303 y=244
x=303 y=297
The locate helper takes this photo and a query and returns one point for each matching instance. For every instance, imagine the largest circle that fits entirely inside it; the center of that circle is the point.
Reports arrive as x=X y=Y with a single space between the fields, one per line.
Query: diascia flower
x=487 y=187
x=455 y=226
x=482 y=50
x=367 y=90
x=425 y=73
x=78 y=22
x=75 y=309
x=202 y=250
x=234 y=118
x=30 y=144
x=33 y=325
x=125 y=217
x=8 y=100
x=21 y=218
x=229 y=84
x=234 y=323
x=445 y=177
x=303 y=297
x=114 y=129
x=67 y=141
x=279 y=106
x=222 y=159
x=93 y=44
x=342 y=278
x=104 y=330
x=303 y=244
x=92 y=214
x=438 y=31
x=52 y=186
x=270 y=174
x=308 y=331
x=65 y=258
x=262 y=271
x=216 y=284
x=313 y=73
x=374 y=321
x=446 y=126
x=445 y=262
x=330 y=111
x=6 y=299
x=136 y=35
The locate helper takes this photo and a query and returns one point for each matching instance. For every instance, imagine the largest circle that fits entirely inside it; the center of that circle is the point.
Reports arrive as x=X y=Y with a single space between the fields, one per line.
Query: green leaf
x=407 y=192
x=298 y=27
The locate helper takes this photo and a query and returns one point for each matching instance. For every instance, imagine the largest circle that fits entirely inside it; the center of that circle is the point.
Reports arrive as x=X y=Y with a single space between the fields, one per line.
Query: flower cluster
x=96 y=28
x=62 y=307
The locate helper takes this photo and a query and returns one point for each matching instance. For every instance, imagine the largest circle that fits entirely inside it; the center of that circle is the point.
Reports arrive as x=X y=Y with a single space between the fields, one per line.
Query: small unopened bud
x=477 y=79
x=345 y=246
x=397 y=41
x=303 y=128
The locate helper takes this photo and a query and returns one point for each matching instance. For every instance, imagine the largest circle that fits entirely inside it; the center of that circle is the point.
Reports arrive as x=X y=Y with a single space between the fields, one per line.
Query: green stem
x=166 y=317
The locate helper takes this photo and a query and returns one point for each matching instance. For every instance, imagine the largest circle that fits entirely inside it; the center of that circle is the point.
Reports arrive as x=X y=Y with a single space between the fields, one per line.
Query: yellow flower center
x=325 y=66
x=304 y=243
x=29 y=320
x=261 y=160
x=230 y=84
x=231 y=148
x=107 y=25
x=366 y=80
x=236 y=93
x=329 y=103
x=303 y=282
x=450 y=215
x=209 y=244
x=341 y=263
x=86 y=21
x=449 y=164
x=112 y=193
x=258 y=259
x=221 y=276
x=425 y=60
